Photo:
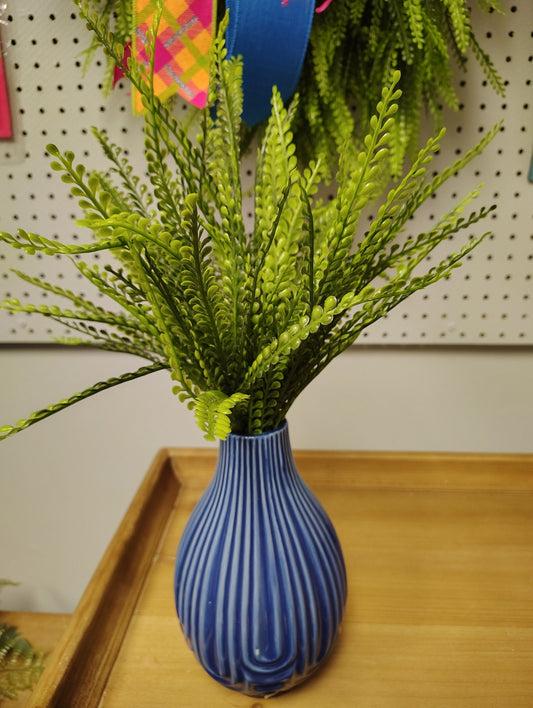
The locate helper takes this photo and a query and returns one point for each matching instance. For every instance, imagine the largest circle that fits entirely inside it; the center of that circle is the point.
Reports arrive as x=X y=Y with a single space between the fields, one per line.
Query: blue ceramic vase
x=260 y=583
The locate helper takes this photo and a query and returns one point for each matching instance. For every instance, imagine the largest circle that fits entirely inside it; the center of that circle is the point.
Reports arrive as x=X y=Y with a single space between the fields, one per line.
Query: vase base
x=271 y=688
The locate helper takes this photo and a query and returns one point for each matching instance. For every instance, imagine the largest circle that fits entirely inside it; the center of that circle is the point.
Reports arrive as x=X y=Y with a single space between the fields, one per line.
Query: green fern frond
x=357 y=186
x=491 y=5
x=78 y=320
x=116 y=17
x=416 y=21
x=460 y=22
x=32 y=243
x=212 y=410
x=7 y=430
x=488 y=67
x=20 y=664
x=137 y=195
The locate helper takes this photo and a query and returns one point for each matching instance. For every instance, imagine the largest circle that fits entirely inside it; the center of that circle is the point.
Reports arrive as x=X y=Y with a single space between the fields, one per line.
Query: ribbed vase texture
x=260 y=583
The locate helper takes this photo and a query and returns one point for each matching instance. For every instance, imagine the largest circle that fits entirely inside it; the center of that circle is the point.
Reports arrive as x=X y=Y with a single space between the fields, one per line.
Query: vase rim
x=268 y=433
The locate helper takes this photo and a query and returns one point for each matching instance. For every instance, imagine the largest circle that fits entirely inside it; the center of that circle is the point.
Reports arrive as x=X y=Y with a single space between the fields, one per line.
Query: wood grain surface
x=439 y=555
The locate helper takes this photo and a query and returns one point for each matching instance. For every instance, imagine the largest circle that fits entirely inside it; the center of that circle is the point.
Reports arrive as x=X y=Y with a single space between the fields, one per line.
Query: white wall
x=66 y=482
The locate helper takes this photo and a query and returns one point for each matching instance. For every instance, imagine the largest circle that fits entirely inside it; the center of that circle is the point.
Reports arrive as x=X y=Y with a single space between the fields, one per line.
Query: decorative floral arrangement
x=354 y=48
x=242 y=321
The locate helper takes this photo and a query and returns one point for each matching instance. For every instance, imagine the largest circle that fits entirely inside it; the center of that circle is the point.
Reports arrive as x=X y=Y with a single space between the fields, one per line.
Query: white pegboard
x=487 y=301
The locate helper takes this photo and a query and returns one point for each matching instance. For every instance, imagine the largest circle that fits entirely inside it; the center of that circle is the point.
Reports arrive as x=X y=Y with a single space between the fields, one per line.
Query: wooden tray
x=439 y=554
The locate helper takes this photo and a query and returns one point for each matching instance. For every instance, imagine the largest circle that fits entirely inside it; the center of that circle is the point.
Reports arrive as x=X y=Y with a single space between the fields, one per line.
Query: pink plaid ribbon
x=183 y=41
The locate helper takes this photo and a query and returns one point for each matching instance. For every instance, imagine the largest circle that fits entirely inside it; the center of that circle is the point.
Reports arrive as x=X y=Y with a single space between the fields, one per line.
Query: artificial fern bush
x=353 y=50
x=243 y=321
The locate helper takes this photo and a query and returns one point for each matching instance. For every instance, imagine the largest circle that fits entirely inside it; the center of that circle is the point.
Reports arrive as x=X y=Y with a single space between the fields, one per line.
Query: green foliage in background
x=20 y=664
x=116 y=15
x=356 y=45
x=242 y=320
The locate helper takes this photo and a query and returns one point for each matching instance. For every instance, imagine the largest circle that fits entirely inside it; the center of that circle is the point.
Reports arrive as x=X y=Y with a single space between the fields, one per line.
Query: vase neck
x=268 y=453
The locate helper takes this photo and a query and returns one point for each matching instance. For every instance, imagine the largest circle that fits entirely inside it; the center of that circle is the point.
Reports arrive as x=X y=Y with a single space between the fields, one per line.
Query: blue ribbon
x=272 y=39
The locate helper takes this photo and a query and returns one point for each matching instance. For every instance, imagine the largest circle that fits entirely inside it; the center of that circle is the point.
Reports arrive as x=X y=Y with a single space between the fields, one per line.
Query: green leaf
x=7 y=430
x=20 y=664
x=213 y=409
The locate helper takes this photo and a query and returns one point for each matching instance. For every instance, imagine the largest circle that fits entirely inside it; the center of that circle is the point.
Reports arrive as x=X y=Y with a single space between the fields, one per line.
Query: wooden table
x=439 y=554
